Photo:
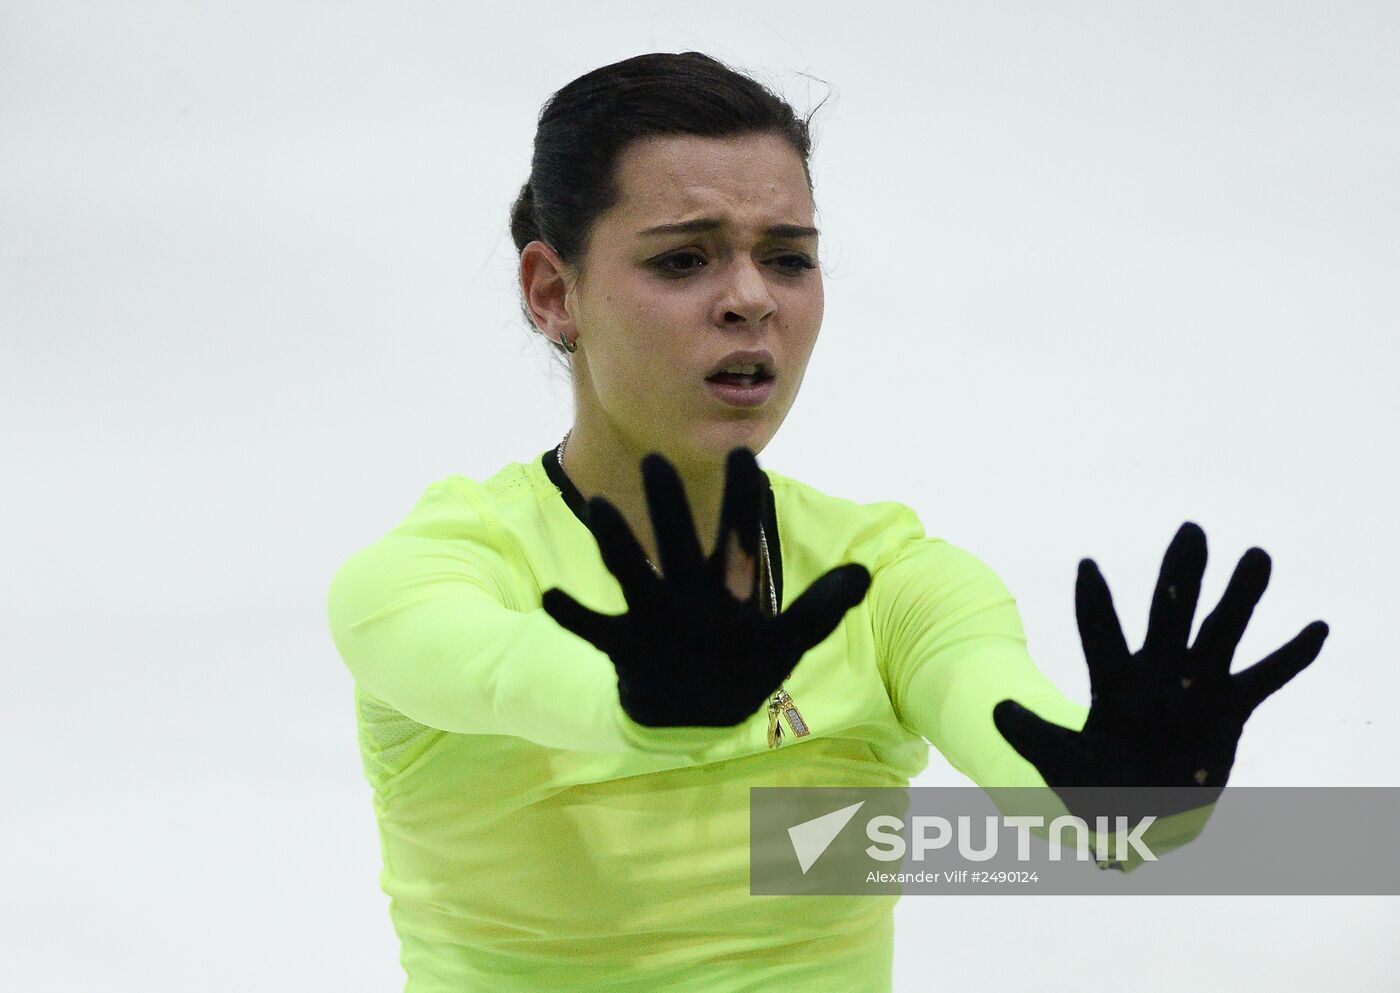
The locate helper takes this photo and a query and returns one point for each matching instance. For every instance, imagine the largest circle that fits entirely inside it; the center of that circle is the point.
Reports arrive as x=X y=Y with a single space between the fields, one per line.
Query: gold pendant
x=782 y=703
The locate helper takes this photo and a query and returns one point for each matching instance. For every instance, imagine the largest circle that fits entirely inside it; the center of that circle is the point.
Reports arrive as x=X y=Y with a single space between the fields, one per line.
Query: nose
x=747 y=296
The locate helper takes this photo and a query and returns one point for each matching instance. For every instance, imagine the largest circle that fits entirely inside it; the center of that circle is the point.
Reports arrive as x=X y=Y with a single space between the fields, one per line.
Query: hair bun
x=524 y=227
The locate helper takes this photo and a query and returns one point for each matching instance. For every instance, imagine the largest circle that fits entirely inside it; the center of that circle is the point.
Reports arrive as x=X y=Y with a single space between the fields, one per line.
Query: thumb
x=1046 y=746
x=568 y=613
x=815 y=614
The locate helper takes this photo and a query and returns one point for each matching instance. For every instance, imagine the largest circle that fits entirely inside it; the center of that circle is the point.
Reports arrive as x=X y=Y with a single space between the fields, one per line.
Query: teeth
x=743 y=370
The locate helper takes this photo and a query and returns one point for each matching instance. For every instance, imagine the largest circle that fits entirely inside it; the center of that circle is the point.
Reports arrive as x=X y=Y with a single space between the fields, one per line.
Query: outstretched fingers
x=1178 y=588
x=1221 y=632
x=739 y=513
x=588 y=624
x=677 y=542
x=1255 y=684
x=814 y=615
x=622 y=553
x=1105 y=649
x=1055 y=751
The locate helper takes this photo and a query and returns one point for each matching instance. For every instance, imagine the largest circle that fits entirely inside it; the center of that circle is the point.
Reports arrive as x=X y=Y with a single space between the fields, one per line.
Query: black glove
x=687 y=651
x=1166 y=715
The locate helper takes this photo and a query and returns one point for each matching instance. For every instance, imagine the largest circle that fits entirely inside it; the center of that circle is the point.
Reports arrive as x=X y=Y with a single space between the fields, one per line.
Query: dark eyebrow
x=703 y=224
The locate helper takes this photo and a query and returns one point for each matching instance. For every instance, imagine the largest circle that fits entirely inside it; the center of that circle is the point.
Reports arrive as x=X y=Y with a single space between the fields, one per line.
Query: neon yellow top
x=534 y=837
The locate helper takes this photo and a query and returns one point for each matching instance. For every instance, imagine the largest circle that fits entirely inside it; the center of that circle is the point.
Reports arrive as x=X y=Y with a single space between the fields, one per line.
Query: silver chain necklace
x=781 y=702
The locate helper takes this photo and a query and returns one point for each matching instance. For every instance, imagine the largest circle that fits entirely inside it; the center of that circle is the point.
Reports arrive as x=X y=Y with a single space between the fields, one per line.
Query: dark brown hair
x=585 y=126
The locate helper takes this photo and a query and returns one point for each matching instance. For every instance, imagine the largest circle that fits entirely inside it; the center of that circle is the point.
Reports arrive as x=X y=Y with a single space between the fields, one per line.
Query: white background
x=1094 y=269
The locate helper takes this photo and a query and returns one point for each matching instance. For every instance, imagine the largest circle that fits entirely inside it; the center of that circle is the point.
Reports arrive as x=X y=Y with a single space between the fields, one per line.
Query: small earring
x=564 y=340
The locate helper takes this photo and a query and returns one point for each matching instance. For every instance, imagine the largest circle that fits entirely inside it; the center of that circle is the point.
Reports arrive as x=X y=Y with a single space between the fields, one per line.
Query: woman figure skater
x=568 y=675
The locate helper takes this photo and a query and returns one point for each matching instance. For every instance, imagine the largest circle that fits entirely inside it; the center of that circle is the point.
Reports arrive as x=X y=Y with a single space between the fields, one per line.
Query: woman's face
x=657 y=312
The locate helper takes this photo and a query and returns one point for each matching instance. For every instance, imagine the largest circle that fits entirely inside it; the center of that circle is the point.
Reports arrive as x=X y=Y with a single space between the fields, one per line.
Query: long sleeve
x=425 y=620
x=954 y=646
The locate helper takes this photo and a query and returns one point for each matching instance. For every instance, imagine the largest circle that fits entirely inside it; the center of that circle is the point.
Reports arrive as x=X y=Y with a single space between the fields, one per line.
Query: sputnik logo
x=811 y=838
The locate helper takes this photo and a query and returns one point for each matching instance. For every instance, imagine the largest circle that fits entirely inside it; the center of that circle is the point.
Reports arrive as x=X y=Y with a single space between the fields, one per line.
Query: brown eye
x=665 y=264
x=795 y=263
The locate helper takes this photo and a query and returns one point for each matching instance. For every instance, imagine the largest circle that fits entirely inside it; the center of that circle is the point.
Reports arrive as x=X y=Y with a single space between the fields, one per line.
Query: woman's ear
x=547 y=282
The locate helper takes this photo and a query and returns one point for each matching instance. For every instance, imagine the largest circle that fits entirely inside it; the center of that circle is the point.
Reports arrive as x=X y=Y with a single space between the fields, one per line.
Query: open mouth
x=738 y=379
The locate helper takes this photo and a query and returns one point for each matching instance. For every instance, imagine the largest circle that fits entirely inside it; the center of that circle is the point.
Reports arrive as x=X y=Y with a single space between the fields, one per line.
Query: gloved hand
x=687 y=651
x=1167 y=714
